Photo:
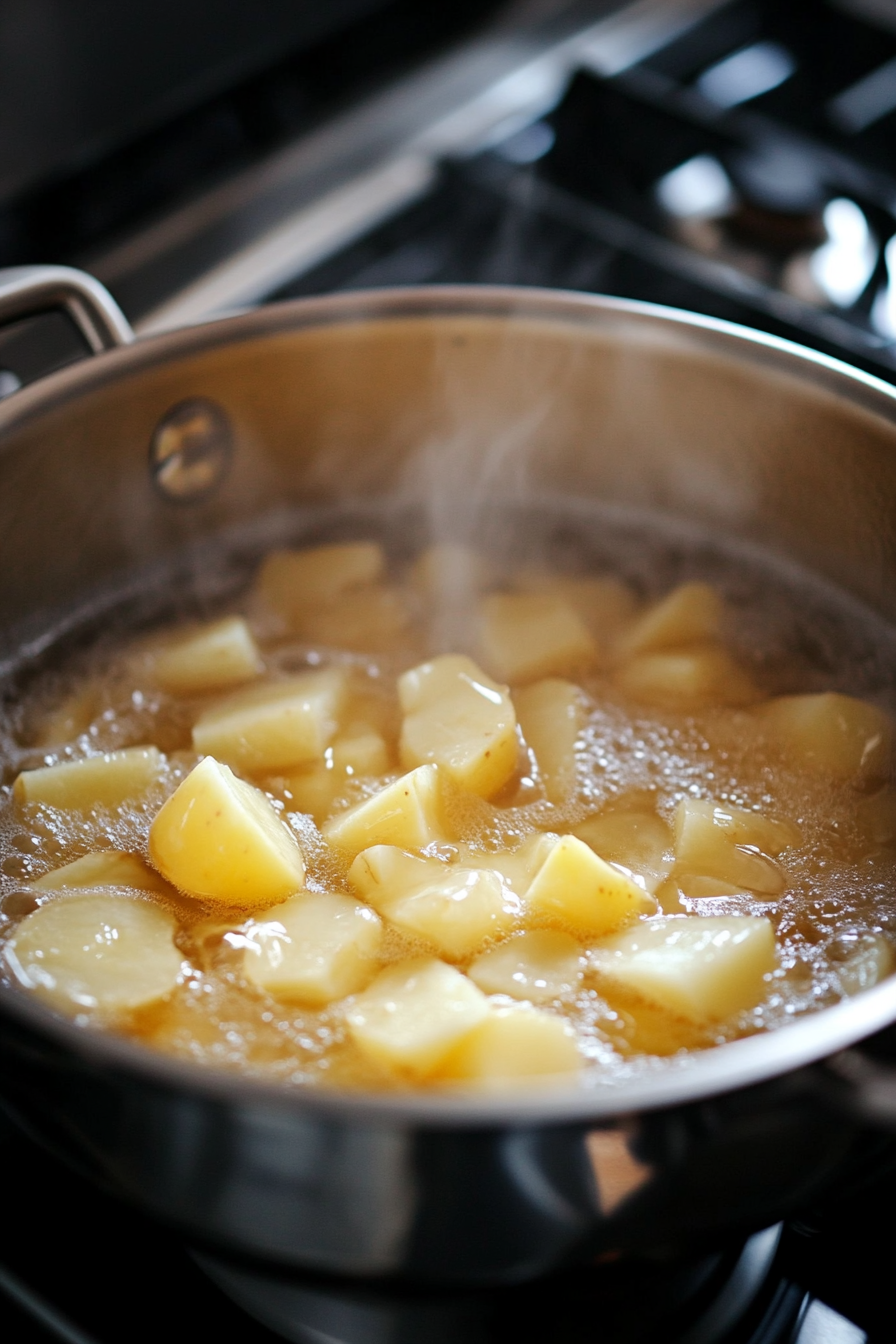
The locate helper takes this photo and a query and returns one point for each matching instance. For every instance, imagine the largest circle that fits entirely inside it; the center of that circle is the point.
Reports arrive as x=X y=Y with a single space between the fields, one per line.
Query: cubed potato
x=687 y=678
x=70 y=718
x=109 y=868
x=94 y=781
x=538 y=965
x=362 y=752
x=516 y=866
x=524 y=636
x=639 y=840
x=703 y=969
x=605 y=604
x=551 y=715
x=876 y=816
x=371 y=620
x=274 y=726
x=730 y=844
x=408 y=813
x=871 y=961
x=449 y=574
x=96 y=951
x=458 y=718
x=316 y=947
x=453 y=907
x=690 y=614
x=833 y=734
x=575 y=887
x=220 y=654
x=359 y=751
x=219 y=838
x=294 y=583
x=413 y=1014
x=513 y=1042
x=311 y=791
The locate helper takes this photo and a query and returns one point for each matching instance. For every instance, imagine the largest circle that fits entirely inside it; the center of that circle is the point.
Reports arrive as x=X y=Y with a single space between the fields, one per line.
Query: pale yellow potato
x=408 y=813
x=456 y=717
x=872 y=961
x=516 y=866
x=579 y=889
x=512 y=1042
x=312 y=791
x=108 y=868
x=551 y=716
x=371 y=620
x=316 y=947
x=274 y=726
x=295 y=583
x=876 y=816
x=722 y=842
x=686 y=678
x=833 y=734
x=413 y=1014
x=605 y=604
x=360 y=753
x=453 y=907
x=639 y=840
x=219 y=838
x=96 y=951
x=524 y=636
x=94 y=781
x=70 y=718
x=700 y=968
x=690 y=614
x=538 y=965
x=449 y=574
x=220 y=654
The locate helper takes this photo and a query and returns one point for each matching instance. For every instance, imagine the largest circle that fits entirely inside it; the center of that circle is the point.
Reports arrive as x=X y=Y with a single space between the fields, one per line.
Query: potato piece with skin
x=295 y=583
x=314 y=948
x=701 y=968
x=276 y=725
x=413 y=1015
x=538 y=965
x=638 y=840
x=833 y=734
x=524 y=636
x=453 y=907
x=408 y=813
x=580 y=890
x=96 y=951
x=458 y=718
x=109 y=868
x=220 y=654
x=730 y=844
x=514 y=1042
x=219 y=838
x=687 y=678
x=690 y=614
x=551 y=715
x=94 y=781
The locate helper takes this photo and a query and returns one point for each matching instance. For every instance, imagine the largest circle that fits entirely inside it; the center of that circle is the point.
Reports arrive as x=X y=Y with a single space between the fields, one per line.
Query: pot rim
x=667 y=1082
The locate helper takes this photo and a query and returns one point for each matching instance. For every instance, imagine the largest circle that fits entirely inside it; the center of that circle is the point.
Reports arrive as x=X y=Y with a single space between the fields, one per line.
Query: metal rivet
x=190 y=450
x=9 y=382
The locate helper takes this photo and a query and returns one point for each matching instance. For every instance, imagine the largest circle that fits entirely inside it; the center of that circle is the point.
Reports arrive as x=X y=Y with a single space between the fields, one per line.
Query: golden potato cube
x=576 y=887
x=551 y=715
x=93 y=781
x=458 y=718
x=833 y=734
x=413 y=1014
x=538 y=965
x=315 y=790
x=109 y=868
x=453 y=907
x=605 y=603
x=512 y=1042
x=111 y=953
x=371 y=620
x=638 y=840
x=408 y=813
x=218 y=655
x=274 y=726
x=701 y=968
x=516 y=866
x=686 y=678
x=294 y=583
x=70 y=718
x=727 y=843
x=219 y=838
x=872 y=961
x=359 y=751
x=524 y=636
x=312 y=791
x=314 y=948
x=690 y=614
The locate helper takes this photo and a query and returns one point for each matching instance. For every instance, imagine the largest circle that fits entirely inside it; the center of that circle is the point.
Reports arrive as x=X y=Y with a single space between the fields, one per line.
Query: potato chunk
x=576 y=887
x=730 y=844
x=833 y=734
x=112 y=953
x=449 y=574
x=539 y=965
x=371 y=620
x=275 y=726
x=687 y=678
x=314 y=948
x=516 y=866
x=639 y=840
x=295 y=583
x=514 y=1042
x=458 y=718
x=605 y=604
x=703 y=969
x=414 y=1013
x=71 y=717
x=94 y=781
x=524 y=636
x=408 y=813
x=551 y=715
x=109 y=868
x=690 y=614
x=218 y=655
x=453 y=907
x=871 y=960
x=219 y=838
x=361 y=752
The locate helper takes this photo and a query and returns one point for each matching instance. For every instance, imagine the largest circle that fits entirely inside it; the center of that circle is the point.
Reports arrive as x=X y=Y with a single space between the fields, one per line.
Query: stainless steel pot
x=152 y=450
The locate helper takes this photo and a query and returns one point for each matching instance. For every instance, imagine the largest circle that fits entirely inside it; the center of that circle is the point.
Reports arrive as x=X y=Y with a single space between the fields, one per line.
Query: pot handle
x=28 y=290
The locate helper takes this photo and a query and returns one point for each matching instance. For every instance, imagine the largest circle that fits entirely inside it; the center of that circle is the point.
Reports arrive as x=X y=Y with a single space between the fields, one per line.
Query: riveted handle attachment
x=28 y=290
